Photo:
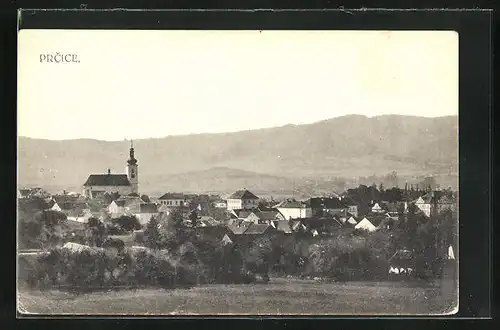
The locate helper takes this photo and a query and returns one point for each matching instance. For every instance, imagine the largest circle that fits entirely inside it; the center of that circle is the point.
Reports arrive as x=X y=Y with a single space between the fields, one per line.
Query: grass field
x=279 y=297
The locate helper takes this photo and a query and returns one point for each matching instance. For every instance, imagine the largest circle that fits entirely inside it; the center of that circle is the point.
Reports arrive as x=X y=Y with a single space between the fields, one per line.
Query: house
x=376 y=208
x=282 y=226
x=332 y=206
x=321 y=226
x=436 y=202
x=81 y=215
x=352 y=206
x=292 y=209
x=402 y=263
x=173 y=199
x=23 y=193
x=32 y=193
x=297 y=226
x=366 y=224
x=239 y=214
x=226 y=240
x=208 y=221
x=258 y=229
x=424 y=204
x=259 y=217
x=75 y=247
x=70 y=207
x=242 y=199
x=239 y=228
x=351 y=221
x=125 y=205
x=146 y=212
x=450 y=255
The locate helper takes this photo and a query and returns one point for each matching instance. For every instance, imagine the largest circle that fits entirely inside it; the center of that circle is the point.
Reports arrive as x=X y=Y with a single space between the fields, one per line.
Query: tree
x=152 y=233
x=128 y=223
x=259 y=255
x=193 y=217
x=42 y=229
x=95 y=231
x=175 y=232
x=114 y=243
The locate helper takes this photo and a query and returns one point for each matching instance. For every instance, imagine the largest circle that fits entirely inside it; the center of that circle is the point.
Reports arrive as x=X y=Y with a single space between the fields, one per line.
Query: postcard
x=198 y=172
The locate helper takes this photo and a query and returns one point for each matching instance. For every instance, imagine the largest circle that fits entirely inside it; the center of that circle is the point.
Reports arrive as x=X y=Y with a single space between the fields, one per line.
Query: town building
x=265 y=217
x=242 y=199
x=292 y=209
x=435 y=202
x=125 y=205
x=172 y=199
x=123 y=184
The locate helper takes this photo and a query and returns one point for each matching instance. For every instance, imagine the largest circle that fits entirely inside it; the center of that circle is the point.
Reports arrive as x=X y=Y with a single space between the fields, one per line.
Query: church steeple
x=133 y=170
x=132 y=160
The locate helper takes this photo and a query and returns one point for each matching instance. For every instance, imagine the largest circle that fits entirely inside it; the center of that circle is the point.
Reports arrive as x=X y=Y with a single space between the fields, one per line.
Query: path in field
x=284 y=297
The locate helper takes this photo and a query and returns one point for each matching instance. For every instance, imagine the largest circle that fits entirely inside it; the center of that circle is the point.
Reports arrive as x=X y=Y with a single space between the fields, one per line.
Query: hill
x=348 y=146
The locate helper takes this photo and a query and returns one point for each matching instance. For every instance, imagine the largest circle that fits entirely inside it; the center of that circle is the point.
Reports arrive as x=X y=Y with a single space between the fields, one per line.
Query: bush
x=94 y=270
x=128 y=223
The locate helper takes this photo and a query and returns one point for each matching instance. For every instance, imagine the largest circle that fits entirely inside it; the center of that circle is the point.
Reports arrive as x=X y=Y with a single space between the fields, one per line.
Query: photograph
x=237 y=172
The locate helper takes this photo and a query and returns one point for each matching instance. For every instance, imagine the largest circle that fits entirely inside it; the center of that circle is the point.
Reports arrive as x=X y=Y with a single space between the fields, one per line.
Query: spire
x=132 y=160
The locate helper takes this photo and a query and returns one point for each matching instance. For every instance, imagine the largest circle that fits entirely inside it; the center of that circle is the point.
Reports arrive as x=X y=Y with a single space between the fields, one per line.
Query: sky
x=151 y=84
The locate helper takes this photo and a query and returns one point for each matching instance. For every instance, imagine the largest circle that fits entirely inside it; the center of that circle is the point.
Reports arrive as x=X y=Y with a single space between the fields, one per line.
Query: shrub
x=94 y=270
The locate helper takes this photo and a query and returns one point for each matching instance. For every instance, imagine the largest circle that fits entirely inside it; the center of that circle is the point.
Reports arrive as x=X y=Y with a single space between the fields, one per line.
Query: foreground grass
x=279 y=297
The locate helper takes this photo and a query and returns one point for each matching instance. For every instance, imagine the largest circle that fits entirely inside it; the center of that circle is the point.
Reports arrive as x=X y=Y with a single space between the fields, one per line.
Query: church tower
x=132 y=170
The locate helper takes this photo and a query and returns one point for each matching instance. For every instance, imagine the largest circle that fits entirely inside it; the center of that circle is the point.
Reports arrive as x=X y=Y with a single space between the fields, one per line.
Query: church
x=123 y=184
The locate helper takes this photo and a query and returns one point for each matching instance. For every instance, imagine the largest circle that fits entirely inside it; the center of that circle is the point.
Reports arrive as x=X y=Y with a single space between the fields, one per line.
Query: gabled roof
x=365 y=224
x=172 y=196
x=210 y=220
x=376 y=220
x=24 y=192
x=79 y=212
x=291 y=204
x=242 y=214
x=254 y=229
x=107 y=180
x=243 y=194
x=266 y=215
x=72 y=205
x=352 y=221
x=237 y=229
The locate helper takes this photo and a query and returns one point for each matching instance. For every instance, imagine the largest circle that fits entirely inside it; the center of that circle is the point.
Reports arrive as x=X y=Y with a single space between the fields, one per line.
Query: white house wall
x=295 y=213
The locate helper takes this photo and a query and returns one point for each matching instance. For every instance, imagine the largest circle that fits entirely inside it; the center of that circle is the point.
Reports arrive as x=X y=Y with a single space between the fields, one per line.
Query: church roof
x=107 y=180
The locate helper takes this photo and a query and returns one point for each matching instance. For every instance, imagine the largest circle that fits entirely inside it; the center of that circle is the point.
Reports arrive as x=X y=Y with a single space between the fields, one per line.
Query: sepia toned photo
x=198 y=172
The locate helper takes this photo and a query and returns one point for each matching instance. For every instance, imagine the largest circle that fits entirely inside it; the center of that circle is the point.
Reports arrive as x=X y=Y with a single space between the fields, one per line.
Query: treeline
x=177 y=255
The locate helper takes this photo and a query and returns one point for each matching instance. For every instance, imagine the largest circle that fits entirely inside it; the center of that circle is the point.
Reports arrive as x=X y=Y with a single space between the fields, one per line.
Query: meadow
x=278 y=297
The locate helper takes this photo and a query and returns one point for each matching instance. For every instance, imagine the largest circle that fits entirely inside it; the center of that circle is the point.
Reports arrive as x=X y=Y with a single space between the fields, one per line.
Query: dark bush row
x=95 y=270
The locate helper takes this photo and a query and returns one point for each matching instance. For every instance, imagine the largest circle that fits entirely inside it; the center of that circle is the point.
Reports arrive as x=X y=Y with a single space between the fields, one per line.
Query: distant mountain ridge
x=348 y=146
